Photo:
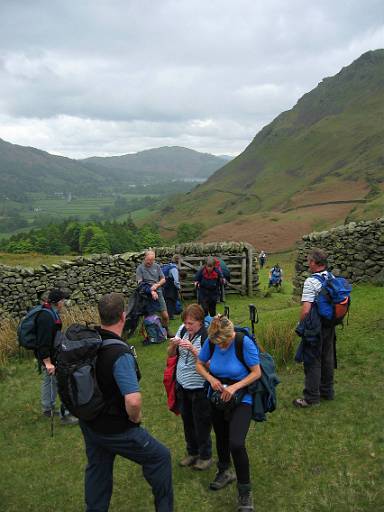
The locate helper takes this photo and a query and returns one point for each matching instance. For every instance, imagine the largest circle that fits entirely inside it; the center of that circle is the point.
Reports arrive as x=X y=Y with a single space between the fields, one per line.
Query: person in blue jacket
x=228 y=378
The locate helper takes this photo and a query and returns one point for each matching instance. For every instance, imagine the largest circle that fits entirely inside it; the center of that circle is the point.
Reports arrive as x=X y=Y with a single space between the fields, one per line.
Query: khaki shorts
x=162 y=304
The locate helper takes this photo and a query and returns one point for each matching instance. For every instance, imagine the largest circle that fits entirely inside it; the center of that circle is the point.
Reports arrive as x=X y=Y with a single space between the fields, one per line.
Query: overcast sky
x=82 y=78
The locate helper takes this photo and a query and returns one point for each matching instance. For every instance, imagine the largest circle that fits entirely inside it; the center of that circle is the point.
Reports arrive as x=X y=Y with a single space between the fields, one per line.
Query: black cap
x=56 y=295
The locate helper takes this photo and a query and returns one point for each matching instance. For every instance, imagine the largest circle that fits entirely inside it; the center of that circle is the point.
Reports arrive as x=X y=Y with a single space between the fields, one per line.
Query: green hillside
x=25 y=169
x=327 y=149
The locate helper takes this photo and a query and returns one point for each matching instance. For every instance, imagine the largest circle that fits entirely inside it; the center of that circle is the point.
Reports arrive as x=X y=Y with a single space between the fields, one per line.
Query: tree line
x=73 y=237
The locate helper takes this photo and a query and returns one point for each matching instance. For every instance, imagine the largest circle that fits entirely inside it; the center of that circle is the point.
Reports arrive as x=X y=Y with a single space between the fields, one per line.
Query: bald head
x=149 y=258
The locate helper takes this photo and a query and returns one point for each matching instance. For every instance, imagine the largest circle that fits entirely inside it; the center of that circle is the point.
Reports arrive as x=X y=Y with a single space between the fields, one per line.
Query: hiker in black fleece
x=48 y=323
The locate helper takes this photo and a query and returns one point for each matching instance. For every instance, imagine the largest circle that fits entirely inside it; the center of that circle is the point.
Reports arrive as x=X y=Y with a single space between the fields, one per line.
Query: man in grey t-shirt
x=150 y=272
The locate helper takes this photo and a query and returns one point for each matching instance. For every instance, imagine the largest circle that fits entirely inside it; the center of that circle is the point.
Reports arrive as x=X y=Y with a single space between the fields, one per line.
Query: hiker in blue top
x=231 y=405
x=320 y=359
x=275 y=276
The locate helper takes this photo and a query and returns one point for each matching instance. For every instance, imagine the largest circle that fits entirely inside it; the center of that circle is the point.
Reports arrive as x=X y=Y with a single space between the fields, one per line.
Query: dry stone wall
x=355 y=251
x=87 y=278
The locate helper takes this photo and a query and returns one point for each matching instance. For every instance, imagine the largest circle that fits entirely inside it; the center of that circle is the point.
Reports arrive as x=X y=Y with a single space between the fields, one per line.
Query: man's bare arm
x=305 y=309
x=133 y=406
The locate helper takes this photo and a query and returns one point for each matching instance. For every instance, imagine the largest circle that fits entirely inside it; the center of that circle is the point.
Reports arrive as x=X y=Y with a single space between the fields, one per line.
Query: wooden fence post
x=250 y=270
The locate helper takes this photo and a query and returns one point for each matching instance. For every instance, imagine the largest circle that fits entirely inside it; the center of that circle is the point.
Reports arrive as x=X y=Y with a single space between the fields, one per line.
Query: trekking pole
x=253 y=316
x=52 y=402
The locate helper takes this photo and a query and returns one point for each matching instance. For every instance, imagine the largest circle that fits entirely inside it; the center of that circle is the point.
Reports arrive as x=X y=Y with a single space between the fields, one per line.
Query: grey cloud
x=146 y=73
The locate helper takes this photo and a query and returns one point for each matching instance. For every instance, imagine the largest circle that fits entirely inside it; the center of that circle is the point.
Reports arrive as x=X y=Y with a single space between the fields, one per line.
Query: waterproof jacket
x=309 y=329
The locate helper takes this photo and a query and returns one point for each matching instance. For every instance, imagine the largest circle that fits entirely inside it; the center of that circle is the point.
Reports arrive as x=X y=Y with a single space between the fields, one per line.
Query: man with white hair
x=149 y=272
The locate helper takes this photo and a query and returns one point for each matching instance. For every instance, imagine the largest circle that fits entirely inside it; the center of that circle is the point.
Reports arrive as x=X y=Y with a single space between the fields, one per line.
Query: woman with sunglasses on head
x=231 y=404
x=191 y=395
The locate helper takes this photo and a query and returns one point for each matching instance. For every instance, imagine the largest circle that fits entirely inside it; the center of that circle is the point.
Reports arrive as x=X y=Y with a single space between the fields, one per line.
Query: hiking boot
x=68 y=419
x=202 y=464
x=245 y=502
x=189 y=460
x=222 y=479
x=303 y=404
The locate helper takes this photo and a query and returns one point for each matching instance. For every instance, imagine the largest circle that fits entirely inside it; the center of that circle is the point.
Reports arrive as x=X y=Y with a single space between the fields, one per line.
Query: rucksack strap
x=239 y=349
x=202 y=332
x=54 y=314
x=112 y=341
x=322 y=278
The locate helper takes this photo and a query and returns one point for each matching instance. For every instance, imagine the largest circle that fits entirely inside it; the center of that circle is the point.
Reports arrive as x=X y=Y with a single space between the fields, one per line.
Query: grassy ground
x=30 y=259
x=328 y=458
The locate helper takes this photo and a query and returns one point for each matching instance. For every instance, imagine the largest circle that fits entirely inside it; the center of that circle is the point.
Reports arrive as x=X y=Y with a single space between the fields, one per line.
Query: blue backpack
x=167 y=268
x=333 y=299
x=26 y=330
x=155 y=332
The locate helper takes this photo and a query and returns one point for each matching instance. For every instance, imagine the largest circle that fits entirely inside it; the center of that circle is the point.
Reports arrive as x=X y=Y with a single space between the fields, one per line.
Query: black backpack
x=76 y=359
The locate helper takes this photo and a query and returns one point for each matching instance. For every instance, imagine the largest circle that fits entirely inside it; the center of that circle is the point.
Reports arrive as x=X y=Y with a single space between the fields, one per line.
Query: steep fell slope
x=328 y=148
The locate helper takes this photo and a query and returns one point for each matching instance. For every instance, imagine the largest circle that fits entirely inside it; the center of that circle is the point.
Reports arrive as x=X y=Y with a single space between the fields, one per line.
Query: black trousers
x=207 y=300
x=196 y=414
x=230 y=440
x=318 y=380
x=171 y=294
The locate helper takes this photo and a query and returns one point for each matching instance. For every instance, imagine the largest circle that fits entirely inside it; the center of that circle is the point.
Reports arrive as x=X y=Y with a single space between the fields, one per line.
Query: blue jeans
x=49 y=393
x=48 y=390
x=135 y=444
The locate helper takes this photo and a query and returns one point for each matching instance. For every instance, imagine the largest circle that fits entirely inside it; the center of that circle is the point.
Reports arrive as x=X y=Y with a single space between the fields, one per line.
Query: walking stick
x=254 y=317
x=52 y=406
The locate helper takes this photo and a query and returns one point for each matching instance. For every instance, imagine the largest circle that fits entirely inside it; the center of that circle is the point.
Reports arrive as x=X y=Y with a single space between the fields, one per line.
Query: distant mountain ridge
x=27 y=169
x=327 y=150
x=169 y=162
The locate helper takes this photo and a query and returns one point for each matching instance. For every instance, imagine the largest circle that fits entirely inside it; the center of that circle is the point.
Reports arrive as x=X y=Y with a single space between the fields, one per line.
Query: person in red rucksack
x=208 y=281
